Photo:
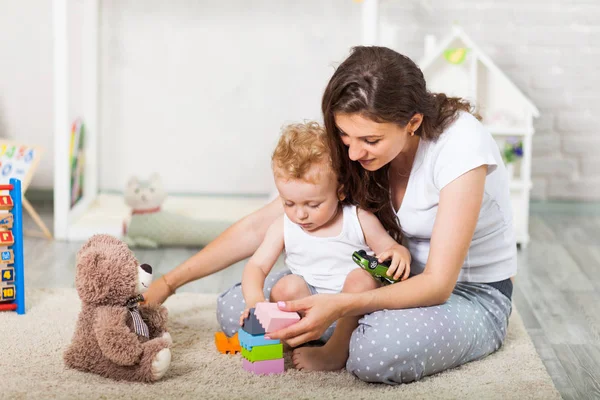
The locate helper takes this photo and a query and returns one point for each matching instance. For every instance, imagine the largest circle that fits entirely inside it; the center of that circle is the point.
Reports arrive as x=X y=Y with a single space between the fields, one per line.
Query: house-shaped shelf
x=457 y=67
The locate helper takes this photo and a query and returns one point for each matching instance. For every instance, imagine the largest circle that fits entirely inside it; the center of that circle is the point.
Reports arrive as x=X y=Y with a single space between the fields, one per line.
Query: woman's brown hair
x=383 y=86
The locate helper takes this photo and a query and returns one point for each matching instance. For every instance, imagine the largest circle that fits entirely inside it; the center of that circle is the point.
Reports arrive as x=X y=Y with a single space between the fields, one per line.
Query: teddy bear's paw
x=167 y=337
x=161 y=363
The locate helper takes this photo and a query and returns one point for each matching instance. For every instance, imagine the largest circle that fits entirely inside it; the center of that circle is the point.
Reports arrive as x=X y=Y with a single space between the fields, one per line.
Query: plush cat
x=150 y=226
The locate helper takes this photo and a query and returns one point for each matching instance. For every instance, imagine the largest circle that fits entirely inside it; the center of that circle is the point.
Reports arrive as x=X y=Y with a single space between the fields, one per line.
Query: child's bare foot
x=323 y=358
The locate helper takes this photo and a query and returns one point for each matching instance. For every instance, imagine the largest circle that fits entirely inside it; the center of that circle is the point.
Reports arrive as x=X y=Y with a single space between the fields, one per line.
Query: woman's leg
x=334 y=354
x=231 y=304
x=400 y=346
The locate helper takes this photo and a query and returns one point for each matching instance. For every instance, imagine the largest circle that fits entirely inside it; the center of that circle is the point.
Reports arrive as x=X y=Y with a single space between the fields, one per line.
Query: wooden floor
x=557 y=290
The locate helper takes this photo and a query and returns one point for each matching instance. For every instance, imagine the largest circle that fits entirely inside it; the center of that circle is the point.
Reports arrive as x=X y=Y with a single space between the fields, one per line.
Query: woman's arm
x=238 y=242
x=458 y=212
x=261 y=263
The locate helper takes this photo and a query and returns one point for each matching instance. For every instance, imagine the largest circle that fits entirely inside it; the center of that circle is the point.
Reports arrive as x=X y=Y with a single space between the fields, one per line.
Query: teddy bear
x=151 y=226
x=115 y=336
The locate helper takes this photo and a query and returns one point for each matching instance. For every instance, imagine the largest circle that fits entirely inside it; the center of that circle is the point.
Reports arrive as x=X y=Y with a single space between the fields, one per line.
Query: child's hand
x=400 y=265
x=244 y=315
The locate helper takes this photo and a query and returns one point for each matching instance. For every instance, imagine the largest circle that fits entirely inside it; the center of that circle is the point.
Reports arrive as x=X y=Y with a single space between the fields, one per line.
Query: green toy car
x=375 y=268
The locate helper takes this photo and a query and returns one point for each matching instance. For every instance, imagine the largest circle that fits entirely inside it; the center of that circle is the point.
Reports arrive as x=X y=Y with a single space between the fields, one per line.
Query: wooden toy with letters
x=12 y=279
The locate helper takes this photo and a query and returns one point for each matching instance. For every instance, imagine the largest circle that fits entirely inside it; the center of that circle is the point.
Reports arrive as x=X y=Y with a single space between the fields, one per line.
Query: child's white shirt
x=324 y=262
x=465 y=145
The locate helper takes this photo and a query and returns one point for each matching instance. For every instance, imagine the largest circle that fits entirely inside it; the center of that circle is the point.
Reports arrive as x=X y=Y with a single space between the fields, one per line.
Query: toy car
x=375 y=268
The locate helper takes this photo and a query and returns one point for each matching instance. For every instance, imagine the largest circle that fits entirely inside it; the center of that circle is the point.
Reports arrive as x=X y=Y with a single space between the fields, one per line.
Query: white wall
x=198 y=91
x=222 y=77
x=26 y=79
x=549 y=48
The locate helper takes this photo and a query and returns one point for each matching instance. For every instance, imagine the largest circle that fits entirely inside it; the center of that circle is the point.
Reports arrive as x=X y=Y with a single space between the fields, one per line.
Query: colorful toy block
x=227 y=345
x=263 y=353
x=248 y=341
x=252 y=325
x=260 y=355
x=264 y=367
x=273 y=319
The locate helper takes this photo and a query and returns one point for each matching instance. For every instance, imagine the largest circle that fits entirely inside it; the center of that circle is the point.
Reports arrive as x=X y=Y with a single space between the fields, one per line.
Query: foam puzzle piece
x=264 y=367
x=252 y=325
x=263 y=353
x=248 y=341
x=227 y=345
x=272 y=318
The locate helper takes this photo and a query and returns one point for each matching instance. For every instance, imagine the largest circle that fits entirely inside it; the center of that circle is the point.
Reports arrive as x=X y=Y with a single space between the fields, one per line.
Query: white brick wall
x=550 y=49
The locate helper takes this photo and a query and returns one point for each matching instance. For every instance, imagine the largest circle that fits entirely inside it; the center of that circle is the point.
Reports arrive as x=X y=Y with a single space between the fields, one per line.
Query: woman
x=435 y=178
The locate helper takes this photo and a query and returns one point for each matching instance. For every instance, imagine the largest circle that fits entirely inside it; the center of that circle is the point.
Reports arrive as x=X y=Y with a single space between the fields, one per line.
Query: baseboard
x=565 y=207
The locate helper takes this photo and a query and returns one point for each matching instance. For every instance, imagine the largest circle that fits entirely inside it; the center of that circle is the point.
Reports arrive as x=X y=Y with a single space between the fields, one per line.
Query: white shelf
x=519 y=184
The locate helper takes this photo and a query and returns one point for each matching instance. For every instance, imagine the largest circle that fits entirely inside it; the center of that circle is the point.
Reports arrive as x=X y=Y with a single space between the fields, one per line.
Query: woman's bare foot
x=324 y=358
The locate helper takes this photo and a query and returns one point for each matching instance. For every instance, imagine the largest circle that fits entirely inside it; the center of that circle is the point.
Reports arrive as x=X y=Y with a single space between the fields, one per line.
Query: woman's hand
x=158 y=292
x=400 y=265
x=320 y=311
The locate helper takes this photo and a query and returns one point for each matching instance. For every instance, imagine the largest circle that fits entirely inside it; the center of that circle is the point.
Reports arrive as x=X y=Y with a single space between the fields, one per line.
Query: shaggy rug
x=31 y=363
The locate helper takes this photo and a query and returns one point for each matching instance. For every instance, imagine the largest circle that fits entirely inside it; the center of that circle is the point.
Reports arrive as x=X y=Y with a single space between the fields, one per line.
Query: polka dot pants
x=231 y=304
x=401 y=346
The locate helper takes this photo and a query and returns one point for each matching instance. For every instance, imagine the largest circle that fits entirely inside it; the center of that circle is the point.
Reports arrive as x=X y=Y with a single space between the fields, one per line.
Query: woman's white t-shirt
x=463 y=146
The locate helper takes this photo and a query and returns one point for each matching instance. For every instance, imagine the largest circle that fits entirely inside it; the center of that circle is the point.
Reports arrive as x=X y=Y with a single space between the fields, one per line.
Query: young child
x=319 y=235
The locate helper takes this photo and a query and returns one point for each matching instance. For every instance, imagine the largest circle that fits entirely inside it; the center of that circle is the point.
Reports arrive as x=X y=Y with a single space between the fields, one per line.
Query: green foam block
x=263 y=353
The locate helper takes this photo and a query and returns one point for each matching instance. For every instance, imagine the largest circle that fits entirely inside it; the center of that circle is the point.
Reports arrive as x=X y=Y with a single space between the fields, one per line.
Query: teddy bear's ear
x=106 y=271
x=92 y=282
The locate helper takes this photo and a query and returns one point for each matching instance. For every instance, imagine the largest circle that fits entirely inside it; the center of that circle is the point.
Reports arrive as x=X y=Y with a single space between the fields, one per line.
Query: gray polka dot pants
x=231 y=304
x=401 y=346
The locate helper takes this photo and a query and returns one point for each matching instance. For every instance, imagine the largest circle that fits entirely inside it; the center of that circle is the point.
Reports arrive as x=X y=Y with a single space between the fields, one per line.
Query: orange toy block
x=6 y=238
x=227 y=345
x=6 y=202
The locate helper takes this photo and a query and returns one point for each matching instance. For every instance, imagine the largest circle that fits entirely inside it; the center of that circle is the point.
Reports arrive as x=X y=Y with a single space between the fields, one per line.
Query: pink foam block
x=264 y=367
x=272 y=318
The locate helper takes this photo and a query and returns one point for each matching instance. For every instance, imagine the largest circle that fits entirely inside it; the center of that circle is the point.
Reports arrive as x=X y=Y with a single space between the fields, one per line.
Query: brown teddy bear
x=115 y=337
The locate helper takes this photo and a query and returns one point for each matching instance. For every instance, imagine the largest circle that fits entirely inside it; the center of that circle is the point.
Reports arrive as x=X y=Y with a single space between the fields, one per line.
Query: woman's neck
x=403 y=162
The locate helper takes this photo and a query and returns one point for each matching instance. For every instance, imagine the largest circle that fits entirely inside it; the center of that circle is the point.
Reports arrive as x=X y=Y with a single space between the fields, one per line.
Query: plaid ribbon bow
x=139 y=325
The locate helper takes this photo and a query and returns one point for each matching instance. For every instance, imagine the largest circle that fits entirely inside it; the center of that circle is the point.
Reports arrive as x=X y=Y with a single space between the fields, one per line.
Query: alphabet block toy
x=260 y=355
x=12 y=280
x=227 y=345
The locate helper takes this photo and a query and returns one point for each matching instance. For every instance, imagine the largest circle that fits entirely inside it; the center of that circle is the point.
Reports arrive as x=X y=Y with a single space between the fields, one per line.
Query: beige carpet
x=31 y=364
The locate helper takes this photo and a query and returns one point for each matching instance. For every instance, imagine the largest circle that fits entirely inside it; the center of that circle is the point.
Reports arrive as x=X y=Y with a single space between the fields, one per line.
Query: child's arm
x=261 y=263
x=384 y=245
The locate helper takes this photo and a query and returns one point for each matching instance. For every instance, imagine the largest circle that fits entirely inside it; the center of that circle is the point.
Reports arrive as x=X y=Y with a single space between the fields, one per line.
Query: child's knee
x=359 y=280
x=290 y=287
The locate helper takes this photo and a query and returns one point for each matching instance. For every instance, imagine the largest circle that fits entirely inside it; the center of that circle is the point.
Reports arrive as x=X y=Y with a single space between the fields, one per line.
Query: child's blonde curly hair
x=300 y=147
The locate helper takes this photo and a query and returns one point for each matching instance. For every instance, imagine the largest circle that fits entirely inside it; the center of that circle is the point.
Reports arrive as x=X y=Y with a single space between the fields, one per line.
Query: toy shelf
x=458 y=67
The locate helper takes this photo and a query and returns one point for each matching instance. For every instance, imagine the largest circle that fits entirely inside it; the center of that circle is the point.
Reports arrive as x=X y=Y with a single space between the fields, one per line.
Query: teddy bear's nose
x=146 y=268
